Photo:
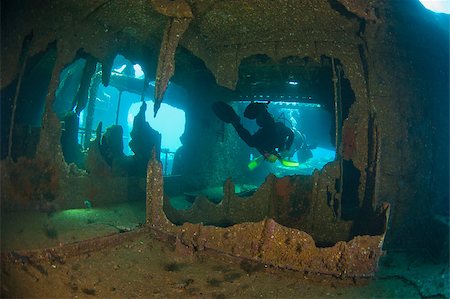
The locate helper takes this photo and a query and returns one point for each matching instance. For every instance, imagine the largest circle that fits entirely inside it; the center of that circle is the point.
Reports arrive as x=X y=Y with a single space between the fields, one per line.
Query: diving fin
x=225 y=112
x=288 y=163
x=255 y=163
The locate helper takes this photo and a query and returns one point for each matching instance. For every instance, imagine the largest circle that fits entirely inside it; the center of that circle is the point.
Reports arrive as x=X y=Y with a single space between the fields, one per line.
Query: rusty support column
x=91 y=107
x=338 y=120
x=155 y=218
x=155 y=187
x=118 y=106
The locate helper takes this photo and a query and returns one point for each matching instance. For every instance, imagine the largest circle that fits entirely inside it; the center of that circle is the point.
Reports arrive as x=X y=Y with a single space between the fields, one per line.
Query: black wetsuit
x=267 y=139
x=272 y=138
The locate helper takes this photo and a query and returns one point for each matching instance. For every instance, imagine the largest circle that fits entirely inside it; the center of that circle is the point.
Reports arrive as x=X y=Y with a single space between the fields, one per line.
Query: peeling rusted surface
x=269 y=243
x=154 y=201
x=348 y=142
x=166 y=61
x=311 y=204
x=296 y=250
x=30 y=183
x=265 y=241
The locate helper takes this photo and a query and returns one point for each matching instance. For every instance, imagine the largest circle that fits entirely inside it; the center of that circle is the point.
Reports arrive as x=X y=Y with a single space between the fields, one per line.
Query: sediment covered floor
x=143 y=267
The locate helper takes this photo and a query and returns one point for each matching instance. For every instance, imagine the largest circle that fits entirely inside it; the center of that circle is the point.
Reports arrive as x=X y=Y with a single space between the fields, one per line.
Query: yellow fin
x=255 y=163
x=288 y=163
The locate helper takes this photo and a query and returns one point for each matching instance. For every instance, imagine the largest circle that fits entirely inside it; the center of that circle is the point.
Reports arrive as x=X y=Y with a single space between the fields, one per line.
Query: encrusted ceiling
x=221 y=23
x=221 y=33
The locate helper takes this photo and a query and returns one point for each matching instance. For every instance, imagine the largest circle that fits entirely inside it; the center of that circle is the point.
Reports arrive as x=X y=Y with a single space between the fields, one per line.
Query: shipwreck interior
x=109 y=137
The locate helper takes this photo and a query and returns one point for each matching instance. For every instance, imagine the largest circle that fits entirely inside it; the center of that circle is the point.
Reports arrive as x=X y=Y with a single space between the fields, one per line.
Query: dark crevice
x=347 y=99
x=372 y=137
x=362 y=28
x=365 y=65
x=367 y=222
x=30 y=104
x=350 y=201
x=342 y=10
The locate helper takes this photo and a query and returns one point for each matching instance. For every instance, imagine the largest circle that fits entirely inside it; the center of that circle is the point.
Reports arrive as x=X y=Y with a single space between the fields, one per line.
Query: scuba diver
x=273 y=140
x=301 y=147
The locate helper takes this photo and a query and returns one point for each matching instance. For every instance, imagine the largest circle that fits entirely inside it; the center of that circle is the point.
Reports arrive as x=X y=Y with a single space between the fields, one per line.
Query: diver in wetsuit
x=273 y=140
x=301 y=147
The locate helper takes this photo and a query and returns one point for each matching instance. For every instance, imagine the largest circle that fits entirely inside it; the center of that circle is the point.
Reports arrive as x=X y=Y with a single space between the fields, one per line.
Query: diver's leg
x=225 y=112
x=244 y=134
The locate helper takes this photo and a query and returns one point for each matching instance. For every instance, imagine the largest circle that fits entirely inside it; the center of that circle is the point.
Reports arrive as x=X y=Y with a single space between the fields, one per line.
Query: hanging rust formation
x=166 y=61
x=180 y=16
x=95 y=82
x=107 y=65
x=81 y=98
